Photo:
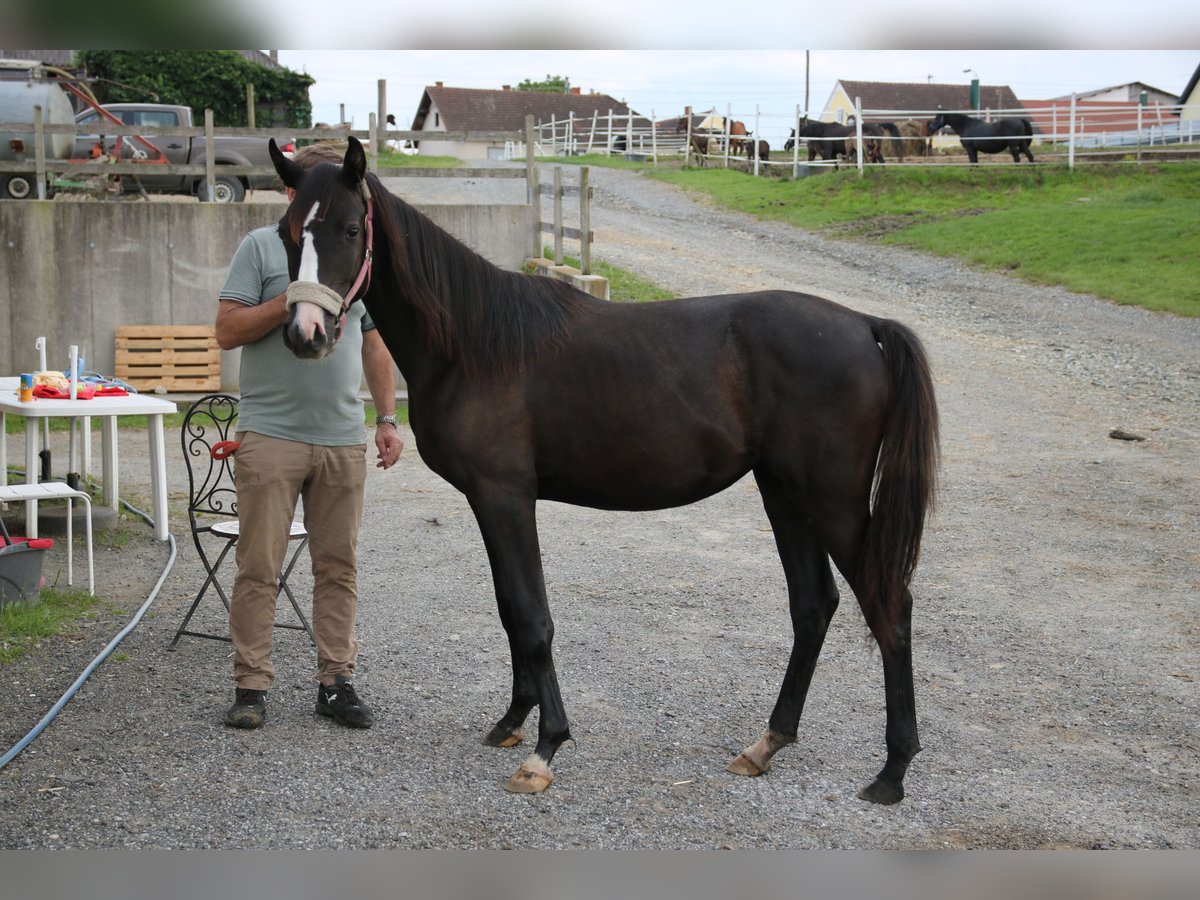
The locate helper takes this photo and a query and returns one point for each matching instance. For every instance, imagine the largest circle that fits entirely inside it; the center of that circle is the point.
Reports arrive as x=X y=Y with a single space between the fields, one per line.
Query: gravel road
x=1055 y=621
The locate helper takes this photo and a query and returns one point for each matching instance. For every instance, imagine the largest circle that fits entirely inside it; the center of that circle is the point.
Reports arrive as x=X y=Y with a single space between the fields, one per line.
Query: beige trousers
x=271 y=474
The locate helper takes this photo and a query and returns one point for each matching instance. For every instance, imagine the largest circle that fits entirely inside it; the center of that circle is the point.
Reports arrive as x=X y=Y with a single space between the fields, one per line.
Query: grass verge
x=23 y=626
x=623 y=286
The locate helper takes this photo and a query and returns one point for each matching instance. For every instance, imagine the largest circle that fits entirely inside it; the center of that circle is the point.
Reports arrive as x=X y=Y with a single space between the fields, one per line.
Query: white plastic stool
x=57 y=490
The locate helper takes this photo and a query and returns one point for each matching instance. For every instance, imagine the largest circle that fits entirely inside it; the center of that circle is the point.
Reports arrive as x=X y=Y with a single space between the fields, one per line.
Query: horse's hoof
x=502 y=737
x=745 y=765
x=883 y=792
x=527 y=781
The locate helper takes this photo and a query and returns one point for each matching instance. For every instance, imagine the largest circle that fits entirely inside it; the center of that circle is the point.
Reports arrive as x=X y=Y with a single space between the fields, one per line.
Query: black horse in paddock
x=977 y=136
x=523 y=389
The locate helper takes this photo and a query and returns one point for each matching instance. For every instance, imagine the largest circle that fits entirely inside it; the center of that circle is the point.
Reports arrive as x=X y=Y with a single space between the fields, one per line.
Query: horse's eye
x=352 y=231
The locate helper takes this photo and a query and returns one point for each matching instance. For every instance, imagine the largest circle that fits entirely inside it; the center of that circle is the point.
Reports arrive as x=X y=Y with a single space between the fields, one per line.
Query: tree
x=201 y=79
x=552 y=84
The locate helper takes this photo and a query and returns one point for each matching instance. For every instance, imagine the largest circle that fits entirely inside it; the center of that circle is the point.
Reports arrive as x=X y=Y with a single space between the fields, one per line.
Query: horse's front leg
x=508 y=525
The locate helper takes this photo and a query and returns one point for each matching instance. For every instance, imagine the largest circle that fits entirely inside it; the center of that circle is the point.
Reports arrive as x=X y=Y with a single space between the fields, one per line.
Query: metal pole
x=1139 y=133
x=687 y=148
x=728 y=119
x=754 y=144
x=210 y=156
x=796 y=137
x=39 y=154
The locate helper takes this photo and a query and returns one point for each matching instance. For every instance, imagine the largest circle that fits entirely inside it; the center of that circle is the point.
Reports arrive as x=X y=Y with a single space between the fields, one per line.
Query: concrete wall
x=72 y=271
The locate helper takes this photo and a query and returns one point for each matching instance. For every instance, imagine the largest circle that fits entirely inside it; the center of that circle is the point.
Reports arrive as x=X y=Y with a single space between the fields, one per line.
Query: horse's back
x=660 y=404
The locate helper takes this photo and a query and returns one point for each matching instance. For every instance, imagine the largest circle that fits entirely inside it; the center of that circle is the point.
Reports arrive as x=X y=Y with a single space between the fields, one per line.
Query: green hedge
x=201 y=79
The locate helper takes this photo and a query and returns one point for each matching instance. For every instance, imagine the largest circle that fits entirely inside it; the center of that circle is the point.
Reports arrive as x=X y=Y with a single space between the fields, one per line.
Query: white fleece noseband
x=314 y=292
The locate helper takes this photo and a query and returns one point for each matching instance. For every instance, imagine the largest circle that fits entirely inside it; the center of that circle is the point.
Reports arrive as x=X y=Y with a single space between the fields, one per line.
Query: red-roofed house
x=473 y=110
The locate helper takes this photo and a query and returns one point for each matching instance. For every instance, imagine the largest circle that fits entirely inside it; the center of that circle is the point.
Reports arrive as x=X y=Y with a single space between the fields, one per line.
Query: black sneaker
x=249 y=709
x=340 y=701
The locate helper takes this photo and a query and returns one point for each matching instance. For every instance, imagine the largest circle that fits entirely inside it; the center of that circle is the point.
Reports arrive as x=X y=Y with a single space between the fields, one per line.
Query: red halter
x=363 y=281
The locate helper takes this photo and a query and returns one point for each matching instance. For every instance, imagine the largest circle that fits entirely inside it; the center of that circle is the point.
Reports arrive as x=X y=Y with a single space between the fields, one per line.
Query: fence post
x=653 y=139
x=754 y=142
x=380 y=138
x=210 y=155
x=373 y=143
x=1071 y=141
x=592 y=132
x=533 y=190
x=39 y=151
x=728 y=119
x=558 y=219
x=796 y=144
x=1139 y=133
x=585 y=222
x=858 y=133
x=629 y=132
x=569 y=136
x=687 y=147
x=250 y=104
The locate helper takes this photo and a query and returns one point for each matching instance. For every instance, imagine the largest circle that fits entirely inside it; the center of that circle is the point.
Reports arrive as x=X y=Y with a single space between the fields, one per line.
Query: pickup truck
x=230 y=151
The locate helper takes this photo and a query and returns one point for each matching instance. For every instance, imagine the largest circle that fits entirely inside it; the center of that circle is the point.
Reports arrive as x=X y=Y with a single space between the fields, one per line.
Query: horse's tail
x=905 y=481
x=897 y=143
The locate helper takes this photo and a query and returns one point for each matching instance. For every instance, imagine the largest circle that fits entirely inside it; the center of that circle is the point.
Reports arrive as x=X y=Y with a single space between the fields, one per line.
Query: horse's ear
x=290 y=172
x=354 y=166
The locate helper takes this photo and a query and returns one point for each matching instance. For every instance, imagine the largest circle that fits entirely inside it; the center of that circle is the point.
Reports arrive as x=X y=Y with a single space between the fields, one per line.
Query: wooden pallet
x=173 y=357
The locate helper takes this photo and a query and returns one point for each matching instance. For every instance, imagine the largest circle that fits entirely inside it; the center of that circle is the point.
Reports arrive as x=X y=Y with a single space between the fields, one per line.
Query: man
x=300 y=424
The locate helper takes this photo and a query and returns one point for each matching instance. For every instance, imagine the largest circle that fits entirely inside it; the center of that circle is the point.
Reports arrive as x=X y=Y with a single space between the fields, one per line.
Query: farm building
x=921 y=99
x=1189 y=100
x=473 y=110
x=1126 y=93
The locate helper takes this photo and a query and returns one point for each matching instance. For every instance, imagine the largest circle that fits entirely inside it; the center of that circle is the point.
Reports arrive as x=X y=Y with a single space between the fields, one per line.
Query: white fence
x=1065 y=130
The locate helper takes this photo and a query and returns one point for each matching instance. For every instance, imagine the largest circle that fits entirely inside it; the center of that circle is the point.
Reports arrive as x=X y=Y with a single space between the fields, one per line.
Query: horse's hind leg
x=812 y=599
x=896 y=649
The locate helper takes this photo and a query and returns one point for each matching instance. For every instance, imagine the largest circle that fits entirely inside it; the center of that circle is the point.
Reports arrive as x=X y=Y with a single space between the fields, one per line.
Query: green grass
x=23 y=626
x=391 y=160
x=623 y=286
x=1125 y=233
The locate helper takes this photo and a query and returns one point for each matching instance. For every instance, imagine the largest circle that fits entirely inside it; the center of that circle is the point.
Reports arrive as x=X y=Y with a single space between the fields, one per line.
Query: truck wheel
x=226 y=189
x=17 y=187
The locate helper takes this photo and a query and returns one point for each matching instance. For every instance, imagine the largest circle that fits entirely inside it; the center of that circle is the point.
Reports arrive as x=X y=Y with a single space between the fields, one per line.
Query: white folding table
x=107 y=409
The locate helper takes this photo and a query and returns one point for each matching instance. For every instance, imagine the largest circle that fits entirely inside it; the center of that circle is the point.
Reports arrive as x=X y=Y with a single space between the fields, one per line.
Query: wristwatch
x=386 y=420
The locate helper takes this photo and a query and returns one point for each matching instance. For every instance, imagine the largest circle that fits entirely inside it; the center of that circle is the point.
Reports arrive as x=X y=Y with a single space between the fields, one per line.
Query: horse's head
x=326 y=231
x=936 y=124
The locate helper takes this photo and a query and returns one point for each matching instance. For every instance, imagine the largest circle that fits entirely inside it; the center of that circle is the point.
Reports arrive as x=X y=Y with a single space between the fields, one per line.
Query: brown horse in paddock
x=524 y=389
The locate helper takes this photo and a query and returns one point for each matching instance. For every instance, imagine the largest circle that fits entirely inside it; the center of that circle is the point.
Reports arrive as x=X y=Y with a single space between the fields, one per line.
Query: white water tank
x=24 y=85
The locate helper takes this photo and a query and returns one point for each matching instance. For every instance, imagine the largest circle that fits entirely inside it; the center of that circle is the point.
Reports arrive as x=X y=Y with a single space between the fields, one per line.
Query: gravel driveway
x=1055 y=643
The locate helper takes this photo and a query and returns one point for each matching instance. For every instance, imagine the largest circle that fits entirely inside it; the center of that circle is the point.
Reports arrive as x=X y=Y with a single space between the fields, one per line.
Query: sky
x=663 y=81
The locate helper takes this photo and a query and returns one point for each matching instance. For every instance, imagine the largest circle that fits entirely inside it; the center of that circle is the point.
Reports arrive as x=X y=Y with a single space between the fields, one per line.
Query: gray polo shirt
x=313 y=401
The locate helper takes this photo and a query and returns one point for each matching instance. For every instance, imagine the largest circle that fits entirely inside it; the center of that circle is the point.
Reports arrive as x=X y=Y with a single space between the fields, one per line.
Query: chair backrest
x=211 y=489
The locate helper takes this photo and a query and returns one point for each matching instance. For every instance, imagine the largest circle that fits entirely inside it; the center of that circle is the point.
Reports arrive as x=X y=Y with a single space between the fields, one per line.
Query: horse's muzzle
x=315 y=347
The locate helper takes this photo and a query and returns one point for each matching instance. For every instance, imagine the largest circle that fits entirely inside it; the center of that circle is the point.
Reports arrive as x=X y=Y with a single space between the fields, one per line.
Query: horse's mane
x=486 y=320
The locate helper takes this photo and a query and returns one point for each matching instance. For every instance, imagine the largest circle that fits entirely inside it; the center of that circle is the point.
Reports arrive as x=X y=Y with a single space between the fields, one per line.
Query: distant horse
x=738 y=133
x=759 y=148
x=524 y=388
x=829 y=140
x=698 y=144
x=915 y=136
x=977 y=136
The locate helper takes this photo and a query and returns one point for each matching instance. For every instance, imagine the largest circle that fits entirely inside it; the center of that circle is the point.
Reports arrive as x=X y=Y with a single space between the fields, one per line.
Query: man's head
x=312 y=155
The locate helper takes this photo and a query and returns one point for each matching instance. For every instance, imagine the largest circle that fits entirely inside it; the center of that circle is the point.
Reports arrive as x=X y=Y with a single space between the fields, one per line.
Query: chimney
x=575 y=91
x=507 y=87
x=438 y=84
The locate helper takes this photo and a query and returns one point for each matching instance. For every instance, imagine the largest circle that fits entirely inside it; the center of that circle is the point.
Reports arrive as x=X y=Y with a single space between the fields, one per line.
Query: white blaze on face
x=310 y=318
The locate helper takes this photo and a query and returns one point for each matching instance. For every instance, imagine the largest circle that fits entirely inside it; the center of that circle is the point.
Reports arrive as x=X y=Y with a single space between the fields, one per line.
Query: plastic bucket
x=21 y=570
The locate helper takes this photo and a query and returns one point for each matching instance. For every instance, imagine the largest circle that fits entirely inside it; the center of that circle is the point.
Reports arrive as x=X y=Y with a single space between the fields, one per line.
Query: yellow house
x=1189 y=100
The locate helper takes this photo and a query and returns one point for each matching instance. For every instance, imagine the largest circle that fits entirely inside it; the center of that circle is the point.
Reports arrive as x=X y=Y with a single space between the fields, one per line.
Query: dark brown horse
x=698 y=143
x=523 y=389
x=758 y=148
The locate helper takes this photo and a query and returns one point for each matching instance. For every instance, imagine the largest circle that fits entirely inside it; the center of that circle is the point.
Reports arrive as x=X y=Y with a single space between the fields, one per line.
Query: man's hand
x=389 y=445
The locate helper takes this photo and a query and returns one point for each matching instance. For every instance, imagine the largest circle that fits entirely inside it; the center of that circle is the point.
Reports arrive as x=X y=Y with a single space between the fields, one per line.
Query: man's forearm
x=380 y=374
x=239 y=324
